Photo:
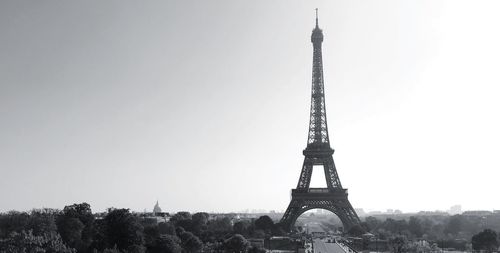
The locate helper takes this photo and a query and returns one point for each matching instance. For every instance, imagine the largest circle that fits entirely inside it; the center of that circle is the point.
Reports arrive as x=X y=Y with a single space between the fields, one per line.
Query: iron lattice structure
x=319 y=152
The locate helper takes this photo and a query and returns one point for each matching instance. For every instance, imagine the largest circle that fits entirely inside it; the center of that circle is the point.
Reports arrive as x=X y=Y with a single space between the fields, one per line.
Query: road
x=325 y=247
x=314 y=227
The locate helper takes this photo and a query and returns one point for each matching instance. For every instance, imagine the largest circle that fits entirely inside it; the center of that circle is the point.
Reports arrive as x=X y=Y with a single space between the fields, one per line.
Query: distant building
x=477 y=213
x=456 y=209
x=156 y=209
x=433 y=213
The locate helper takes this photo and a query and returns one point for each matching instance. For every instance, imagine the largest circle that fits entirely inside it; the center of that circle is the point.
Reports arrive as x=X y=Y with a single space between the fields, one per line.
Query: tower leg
x=305 y=174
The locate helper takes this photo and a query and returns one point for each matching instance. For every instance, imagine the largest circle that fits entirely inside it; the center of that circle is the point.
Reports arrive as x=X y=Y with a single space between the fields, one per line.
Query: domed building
x=156 y=209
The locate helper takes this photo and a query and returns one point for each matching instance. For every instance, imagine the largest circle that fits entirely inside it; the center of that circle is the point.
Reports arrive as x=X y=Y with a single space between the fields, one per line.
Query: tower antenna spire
x=316 y=17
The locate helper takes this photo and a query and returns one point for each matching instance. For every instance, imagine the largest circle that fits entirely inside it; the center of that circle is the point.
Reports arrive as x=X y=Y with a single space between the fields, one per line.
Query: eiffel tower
x=319 y=152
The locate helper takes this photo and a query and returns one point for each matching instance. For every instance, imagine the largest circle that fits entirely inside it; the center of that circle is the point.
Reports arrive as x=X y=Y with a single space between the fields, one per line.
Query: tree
x=166 y=244
x=356 y=230
x=42 y=221
x=190 y=242
x=76 y=226
x=83 y=213
x=199 y=222
x=28 y=242
x=236 y=244
x=13 y=221
x=136 y=248
x=264 y=223
x=454 y=224
x=398 y=244
x=485 y=240
x=240 y=227
x=395 y=226
x=259 y=233
x=201 y=218
x=372 y=223
x=182 y=219
x=123 y=229
x=220 y=225
x=180 y=216
x=166 y=228
x=419 y=247
x=71 y=231
x=151 y=232
x=278 y=230
x=415 y=226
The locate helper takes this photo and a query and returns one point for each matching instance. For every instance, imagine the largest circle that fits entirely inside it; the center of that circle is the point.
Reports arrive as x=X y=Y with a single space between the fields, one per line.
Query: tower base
x=333 y=200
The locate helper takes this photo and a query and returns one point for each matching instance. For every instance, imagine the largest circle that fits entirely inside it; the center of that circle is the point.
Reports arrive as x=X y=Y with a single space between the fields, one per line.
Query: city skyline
x=204 y=106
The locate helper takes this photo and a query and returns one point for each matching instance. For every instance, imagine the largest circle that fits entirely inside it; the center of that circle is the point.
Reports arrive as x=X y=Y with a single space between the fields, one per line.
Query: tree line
x=77 y=229
x=460 y=232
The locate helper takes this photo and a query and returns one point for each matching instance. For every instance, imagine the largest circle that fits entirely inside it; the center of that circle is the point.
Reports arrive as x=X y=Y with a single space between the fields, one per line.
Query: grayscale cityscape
x=202 y=126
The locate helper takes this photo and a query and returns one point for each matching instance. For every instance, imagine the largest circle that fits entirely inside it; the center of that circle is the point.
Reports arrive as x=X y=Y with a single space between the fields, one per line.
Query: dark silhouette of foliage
x=220 y=225
x=415 y=226
x=180 y=216
x=28 y=242
x=199 y=223
x=201 y=218
x=123 y=229
x=151 y=232
x=99 y=240
x=71 y=231
x=236 y=244
x=356 y=230
x=278 y=230
x=166 y=244
x=241 y=227
x=372 y=223
x=486 y=240
x=264 y=223
x=196 y=223
x=166 y=228
x=76 y=226
x=136 y=248
x=42 y=221
x=119 y=231
x=454 y=225
x=179 y=230
x=13 y=221
x=190 y=242
x=259 y=233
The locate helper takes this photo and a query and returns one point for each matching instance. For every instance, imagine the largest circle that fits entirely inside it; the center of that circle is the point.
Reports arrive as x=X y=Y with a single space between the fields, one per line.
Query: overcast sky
x=203 y=105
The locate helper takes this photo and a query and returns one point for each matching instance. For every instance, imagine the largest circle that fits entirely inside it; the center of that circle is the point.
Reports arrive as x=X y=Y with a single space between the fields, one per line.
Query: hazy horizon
x=204 y=105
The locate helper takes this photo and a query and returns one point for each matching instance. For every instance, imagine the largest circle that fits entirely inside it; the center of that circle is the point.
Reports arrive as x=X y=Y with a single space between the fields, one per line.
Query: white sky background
x=204 y=105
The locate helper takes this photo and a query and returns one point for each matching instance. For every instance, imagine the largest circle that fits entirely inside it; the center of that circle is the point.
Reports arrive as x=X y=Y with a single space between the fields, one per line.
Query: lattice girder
x=332 y=179
x=342 y=208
